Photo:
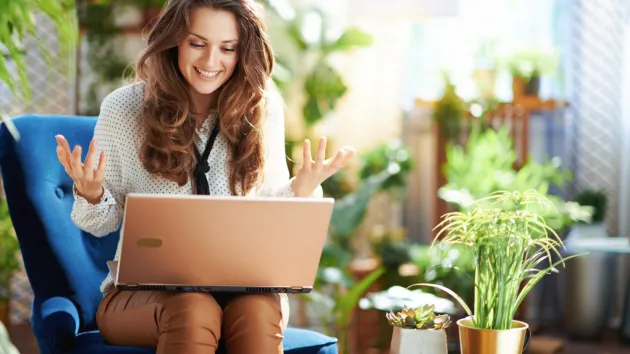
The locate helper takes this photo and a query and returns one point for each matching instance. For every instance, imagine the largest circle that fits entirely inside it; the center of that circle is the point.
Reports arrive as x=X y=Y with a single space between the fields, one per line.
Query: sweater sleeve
x=277 y=181
x=106 y=216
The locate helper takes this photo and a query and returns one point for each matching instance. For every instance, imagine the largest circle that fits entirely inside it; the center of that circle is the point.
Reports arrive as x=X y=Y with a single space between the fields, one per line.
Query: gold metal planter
x=485 y=341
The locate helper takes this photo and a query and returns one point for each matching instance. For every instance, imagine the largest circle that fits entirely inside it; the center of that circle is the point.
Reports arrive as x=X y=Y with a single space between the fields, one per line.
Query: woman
x=199 y=121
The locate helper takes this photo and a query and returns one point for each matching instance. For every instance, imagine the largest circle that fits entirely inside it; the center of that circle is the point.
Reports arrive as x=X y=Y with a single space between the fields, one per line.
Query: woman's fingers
x=64 y=144
x=65 y=147
x=71 y=161
x=77 y=166
x=337 y=161
x=88 y=168
x=99 y=175
x=340 y=159
x=306 y=155
x=321 y=165
x=321 y=153
x=64 y=160
x=349 y=154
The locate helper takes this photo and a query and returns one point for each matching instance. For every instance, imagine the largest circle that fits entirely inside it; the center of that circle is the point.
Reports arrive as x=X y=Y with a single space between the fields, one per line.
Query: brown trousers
x=192 y=323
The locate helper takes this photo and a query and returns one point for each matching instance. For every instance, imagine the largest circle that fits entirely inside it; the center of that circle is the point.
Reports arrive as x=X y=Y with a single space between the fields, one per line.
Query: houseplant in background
x=449 y=111
x=486 y=164
x=527 y=65
x=418 y=331
x=305 y=72
x=337 y=290
x=9 y=260
x=510 y=241
x=18 y=23
x=597 y=200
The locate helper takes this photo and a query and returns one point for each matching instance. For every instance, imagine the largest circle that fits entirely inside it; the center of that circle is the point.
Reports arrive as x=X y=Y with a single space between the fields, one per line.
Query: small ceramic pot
x=418 y=341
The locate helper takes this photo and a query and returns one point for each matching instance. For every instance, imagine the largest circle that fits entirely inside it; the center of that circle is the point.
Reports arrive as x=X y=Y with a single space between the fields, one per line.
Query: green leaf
x=448 y=291
x=9 y=262
x=346 y=303
x=349 y=39
x=333 y=255
x=323 y=88
x=348 y=213
x=293 y=30
x=16 y=23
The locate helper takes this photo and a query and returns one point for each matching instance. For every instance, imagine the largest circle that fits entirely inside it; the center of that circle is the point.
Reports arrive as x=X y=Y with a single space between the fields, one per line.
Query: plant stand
x=418 y=341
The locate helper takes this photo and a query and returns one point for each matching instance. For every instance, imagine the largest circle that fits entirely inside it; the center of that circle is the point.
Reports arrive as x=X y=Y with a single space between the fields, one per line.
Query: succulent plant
x=422 y=317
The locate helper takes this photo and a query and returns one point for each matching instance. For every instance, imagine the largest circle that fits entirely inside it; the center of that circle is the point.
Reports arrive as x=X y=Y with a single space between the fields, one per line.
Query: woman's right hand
x=88 y=181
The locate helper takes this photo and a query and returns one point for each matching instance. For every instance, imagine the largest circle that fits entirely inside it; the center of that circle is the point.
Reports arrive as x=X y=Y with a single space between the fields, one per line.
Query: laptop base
x=216 y=289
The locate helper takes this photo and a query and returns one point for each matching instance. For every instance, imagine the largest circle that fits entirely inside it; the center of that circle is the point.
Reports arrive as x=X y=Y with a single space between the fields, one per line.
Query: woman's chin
x=204 y=88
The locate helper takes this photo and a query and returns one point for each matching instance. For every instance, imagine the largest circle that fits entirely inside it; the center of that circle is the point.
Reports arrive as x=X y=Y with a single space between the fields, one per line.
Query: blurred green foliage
x=18 y=22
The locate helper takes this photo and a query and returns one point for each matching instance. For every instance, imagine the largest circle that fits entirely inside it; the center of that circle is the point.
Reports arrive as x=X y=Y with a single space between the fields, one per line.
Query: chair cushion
x=296 y=341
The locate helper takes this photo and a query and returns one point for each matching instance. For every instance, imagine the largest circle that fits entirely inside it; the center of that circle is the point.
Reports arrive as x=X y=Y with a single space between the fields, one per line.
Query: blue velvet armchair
x=65 y=265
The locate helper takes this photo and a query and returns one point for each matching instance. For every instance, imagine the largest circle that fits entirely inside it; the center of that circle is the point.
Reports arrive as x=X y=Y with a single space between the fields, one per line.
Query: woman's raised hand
x=88 y=180
x=312 y=173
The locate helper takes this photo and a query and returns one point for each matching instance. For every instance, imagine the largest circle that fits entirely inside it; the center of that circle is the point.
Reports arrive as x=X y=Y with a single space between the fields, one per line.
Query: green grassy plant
x=510 y=241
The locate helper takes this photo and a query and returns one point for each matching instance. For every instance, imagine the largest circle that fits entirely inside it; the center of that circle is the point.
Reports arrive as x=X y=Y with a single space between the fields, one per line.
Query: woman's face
x=207 y=56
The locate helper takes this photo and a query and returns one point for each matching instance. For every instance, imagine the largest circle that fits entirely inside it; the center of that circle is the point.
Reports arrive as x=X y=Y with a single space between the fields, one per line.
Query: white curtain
x=623 y=267
x=624 y=203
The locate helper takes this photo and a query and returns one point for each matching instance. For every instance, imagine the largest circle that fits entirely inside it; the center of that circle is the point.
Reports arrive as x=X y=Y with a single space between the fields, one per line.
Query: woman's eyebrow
x=205 y=39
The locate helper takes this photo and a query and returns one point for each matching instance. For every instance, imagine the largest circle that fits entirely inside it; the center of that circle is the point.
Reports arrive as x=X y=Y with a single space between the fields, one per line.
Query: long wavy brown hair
x=168 y=114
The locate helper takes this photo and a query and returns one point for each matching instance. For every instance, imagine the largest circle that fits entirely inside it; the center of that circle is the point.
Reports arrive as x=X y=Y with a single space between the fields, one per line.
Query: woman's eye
x=229 y=49
x=196 y=45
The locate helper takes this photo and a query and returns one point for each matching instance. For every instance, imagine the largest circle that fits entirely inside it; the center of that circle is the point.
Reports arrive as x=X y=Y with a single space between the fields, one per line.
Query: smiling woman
x=200 y=120
x=224 y=61
x=207 y=57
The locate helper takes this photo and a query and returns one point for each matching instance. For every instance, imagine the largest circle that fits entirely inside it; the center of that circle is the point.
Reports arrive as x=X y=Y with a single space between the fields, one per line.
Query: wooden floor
x=25 y=342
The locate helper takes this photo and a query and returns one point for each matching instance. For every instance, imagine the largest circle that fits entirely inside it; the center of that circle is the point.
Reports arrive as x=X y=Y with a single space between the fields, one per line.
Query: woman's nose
x=212 y=58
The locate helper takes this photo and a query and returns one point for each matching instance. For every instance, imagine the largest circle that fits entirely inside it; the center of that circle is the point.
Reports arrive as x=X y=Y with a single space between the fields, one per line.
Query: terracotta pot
x=522 y=88
x=418 y=341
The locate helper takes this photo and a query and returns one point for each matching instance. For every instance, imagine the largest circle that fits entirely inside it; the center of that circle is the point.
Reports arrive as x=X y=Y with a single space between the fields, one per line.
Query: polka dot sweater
x=119 y=133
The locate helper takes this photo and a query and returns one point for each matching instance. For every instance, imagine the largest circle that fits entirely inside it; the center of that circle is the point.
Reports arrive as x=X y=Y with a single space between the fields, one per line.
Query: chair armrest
x=55 y=323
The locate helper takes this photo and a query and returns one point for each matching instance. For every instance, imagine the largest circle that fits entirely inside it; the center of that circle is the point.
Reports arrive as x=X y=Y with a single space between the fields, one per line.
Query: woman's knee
x=192 y=309
x=259 y=308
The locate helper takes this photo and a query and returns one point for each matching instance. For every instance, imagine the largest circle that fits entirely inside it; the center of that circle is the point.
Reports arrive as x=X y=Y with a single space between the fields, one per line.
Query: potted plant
x=418 y=331
x=527 y=66
x=595 y=199
x=9 y=261
x=449 y=111
x=511 y=243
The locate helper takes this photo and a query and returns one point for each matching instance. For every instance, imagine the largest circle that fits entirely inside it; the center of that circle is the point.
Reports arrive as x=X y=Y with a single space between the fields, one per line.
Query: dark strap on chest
x=202 y=167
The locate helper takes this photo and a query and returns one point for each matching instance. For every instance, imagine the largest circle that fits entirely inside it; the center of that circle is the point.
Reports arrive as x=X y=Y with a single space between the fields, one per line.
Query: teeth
x=207 y=74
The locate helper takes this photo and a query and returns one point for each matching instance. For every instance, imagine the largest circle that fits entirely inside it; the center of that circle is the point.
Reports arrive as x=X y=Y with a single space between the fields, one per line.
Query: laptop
x=221 y=244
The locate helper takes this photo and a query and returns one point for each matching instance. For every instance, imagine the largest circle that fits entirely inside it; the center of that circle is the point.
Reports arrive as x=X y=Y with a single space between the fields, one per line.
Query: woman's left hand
x=312 y=173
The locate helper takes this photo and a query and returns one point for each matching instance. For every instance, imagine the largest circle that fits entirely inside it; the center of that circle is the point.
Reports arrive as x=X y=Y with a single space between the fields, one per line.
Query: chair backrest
x=60 y=259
